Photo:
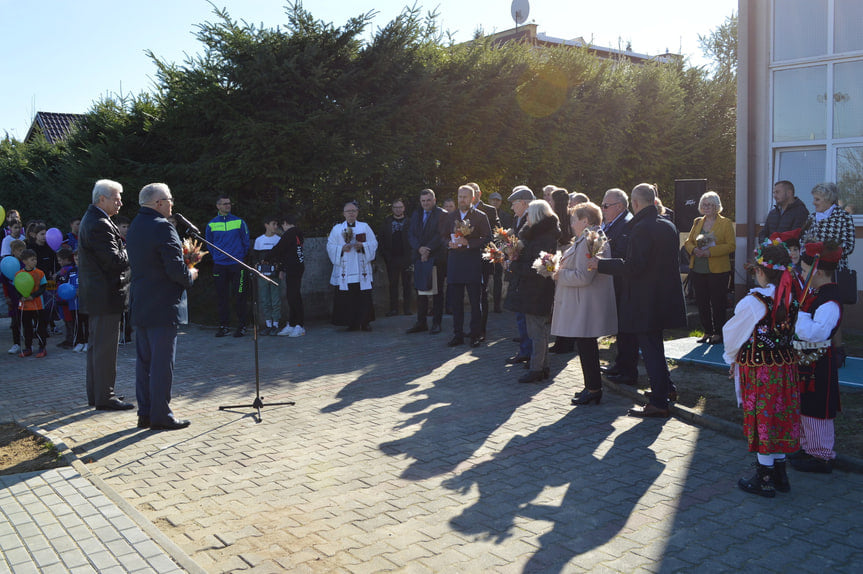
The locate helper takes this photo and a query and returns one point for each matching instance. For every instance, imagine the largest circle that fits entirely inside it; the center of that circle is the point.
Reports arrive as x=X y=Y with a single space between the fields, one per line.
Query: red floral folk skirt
x=771 y=408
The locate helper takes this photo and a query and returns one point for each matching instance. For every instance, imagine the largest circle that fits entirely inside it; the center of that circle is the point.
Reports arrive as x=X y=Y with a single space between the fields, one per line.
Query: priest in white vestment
x=351 y=247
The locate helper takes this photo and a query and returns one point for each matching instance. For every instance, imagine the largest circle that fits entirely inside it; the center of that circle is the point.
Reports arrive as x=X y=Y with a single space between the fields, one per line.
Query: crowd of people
x=575 y=270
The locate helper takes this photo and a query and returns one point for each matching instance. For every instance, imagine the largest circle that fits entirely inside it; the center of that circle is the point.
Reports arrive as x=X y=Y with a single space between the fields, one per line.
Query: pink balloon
x=54 y=238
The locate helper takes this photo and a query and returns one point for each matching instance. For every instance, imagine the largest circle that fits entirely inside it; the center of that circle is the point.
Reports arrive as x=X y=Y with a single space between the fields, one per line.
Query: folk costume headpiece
x=773 y=254
x=823 y=255
x=789 y=238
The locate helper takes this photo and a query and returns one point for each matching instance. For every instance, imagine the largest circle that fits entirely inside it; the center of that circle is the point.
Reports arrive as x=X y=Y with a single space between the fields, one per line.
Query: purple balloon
x=54 y=238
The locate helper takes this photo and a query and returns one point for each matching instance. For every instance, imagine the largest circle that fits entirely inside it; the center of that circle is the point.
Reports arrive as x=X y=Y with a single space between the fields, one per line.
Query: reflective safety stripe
x=226 y=225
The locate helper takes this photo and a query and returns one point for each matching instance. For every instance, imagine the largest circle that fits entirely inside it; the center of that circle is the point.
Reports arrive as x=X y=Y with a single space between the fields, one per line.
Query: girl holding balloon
x=10 y=265
x=31 y=283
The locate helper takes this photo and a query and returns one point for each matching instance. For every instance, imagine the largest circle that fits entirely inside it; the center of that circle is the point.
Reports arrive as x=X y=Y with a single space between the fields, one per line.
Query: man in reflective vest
x=231 y=234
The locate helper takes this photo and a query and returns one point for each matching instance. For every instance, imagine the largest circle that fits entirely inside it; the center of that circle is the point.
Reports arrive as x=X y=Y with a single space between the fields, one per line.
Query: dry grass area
x=22 y=451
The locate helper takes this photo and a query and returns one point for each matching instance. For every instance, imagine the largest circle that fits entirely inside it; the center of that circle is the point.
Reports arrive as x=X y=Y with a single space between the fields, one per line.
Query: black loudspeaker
x=687 y=193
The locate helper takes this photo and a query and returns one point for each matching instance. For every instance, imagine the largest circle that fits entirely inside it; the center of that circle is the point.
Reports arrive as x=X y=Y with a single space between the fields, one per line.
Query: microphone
x=185 y=227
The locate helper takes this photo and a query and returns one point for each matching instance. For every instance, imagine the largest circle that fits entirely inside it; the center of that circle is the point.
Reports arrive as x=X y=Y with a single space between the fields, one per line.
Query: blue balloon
x=67 y=292
x=9 y=266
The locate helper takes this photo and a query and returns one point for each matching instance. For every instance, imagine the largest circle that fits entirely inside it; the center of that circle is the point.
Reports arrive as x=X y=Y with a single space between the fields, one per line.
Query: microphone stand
x=258 y=403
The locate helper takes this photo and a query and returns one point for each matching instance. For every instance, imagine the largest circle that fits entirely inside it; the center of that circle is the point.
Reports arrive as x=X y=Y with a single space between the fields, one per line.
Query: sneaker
x=286 y=332
x=86 y=348
x=42 y=353
x=78 y=348
x=241 y=331
x=25 y=353
x=299 y=331
x=14 y=349
x=222 y=331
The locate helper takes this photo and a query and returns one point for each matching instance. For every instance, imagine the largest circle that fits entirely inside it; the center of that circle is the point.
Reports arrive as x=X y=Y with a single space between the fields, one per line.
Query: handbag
x=846 y=280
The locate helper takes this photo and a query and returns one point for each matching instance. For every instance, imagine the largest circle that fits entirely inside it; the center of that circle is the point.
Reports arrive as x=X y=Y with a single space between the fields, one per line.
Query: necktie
x=425 y=217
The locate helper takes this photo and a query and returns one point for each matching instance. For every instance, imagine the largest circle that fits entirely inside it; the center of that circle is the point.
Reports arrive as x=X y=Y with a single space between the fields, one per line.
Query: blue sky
x=62 y=55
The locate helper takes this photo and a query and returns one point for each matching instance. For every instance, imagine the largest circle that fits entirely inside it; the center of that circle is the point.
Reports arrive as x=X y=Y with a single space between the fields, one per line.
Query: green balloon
x=23 y=283
x=2 y=214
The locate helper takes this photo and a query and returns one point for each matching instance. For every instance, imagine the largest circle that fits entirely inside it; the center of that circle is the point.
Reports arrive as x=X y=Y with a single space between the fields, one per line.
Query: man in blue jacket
x=159 y=276
x=230 y=234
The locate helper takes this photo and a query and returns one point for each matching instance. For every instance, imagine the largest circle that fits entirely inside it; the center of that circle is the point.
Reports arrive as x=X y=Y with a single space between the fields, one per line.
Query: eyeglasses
x=352 y=211
x=607 y=205
x=170 y=199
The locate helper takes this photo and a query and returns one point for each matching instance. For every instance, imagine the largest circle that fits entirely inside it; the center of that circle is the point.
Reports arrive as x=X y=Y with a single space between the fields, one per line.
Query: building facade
x=800 y=111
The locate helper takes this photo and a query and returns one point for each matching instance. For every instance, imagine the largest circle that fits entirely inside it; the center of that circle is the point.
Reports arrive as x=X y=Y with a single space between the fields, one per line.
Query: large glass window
x=848 y=31
x=800 y=29
x=848 y=100
x=803 y=168
x=849 y=177
x=800 y=104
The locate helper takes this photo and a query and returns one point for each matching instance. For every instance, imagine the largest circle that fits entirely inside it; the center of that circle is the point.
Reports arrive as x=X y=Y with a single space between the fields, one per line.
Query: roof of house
x=55 y=127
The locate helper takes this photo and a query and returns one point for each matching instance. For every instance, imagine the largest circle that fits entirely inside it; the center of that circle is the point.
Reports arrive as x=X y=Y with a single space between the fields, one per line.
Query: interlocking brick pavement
x=404 y=455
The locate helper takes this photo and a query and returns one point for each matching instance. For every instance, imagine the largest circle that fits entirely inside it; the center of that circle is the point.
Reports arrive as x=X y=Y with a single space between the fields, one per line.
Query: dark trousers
x=16 y=325
x=232 y=282
x=102 y=358
x=455 y=294
x=293 y=282
x=437 y=301
x=653 y=351
x=710 y=297
x=497 y=292
x=627 y=355
x=399 y=272
x=588 y=354
x=154 y=371
x=35 y=321
x=487 y=272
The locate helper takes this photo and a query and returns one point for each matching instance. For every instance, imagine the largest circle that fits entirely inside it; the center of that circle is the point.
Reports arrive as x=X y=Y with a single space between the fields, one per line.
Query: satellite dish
x=520 y=9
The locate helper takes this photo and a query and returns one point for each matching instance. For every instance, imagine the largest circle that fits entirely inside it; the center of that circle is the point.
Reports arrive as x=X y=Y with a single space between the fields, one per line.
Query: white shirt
x=264 y=243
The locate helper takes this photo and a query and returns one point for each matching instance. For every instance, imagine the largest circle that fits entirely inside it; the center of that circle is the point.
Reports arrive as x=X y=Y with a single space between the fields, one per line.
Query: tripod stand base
x=258 y=404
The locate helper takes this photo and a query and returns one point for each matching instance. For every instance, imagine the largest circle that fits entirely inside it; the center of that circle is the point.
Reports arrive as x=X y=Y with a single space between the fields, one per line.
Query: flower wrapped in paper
x=596 y=241
x=462 y=228
x=705 y=240
x=546 y=264
x=192 y=252
x=493 y=254
x=507 y=241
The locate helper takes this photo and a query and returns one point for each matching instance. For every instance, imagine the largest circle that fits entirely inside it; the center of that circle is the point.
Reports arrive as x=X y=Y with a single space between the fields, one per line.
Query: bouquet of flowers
x=192 y=252
x=705 y=240
x=462 y=228
x=596 y=241
x=507 y=241
x=493 y=254
x=546 y=264
x=348 y=234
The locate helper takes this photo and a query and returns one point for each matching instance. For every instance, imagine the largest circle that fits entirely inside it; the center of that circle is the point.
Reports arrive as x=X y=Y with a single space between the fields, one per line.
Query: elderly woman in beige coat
x=584 y=305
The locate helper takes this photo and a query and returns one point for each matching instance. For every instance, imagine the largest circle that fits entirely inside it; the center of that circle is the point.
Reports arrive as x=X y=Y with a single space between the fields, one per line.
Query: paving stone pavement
x=404 y=455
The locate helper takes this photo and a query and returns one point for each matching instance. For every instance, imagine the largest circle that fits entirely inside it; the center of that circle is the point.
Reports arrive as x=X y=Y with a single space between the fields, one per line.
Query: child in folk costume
x=758 y=346
x=818 y=320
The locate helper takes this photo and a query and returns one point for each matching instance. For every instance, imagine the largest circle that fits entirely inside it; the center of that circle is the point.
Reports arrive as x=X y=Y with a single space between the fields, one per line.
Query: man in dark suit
x=487 y=266
x=520 y=199
x=464 y=264
x=428 y=253
x=159 y=276
x=506 y=221
x=103 y=271
x=394 y=246
x=652 y=295
x=616 y=225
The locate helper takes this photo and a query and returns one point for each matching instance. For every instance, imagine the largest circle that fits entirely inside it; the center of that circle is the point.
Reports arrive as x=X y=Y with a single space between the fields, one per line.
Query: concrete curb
x=171 y=549
x=842 y=462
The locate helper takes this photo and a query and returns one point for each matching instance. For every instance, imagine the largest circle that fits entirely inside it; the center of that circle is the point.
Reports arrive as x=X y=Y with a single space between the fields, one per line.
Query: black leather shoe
x=649 y=411
x=609 y=370
x=418 y=328
x=173 y=424
x=455 y=341
x=476 y=341
x=435 y=329
x=517 y=359
x=143 y=422
x=481 y=337
x=586 y=397
x=812 y=464
x=622 y=380
x=367 y=328
x=223 y=331
x=516 y=339
x=672 y=395
x=240 y=332
x=118 y=397
x=534 y=377
x=115 y=405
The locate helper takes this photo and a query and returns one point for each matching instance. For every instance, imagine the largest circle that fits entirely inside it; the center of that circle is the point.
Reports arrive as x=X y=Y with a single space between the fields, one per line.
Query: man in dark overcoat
x=651 y=291
x=428 y=251
x=159 y=276
x=464 y=265
x=103 y=272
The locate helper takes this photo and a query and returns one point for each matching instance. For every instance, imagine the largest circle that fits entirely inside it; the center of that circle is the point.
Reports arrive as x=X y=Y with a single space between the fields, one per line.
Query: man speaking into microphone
x=159 y=276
